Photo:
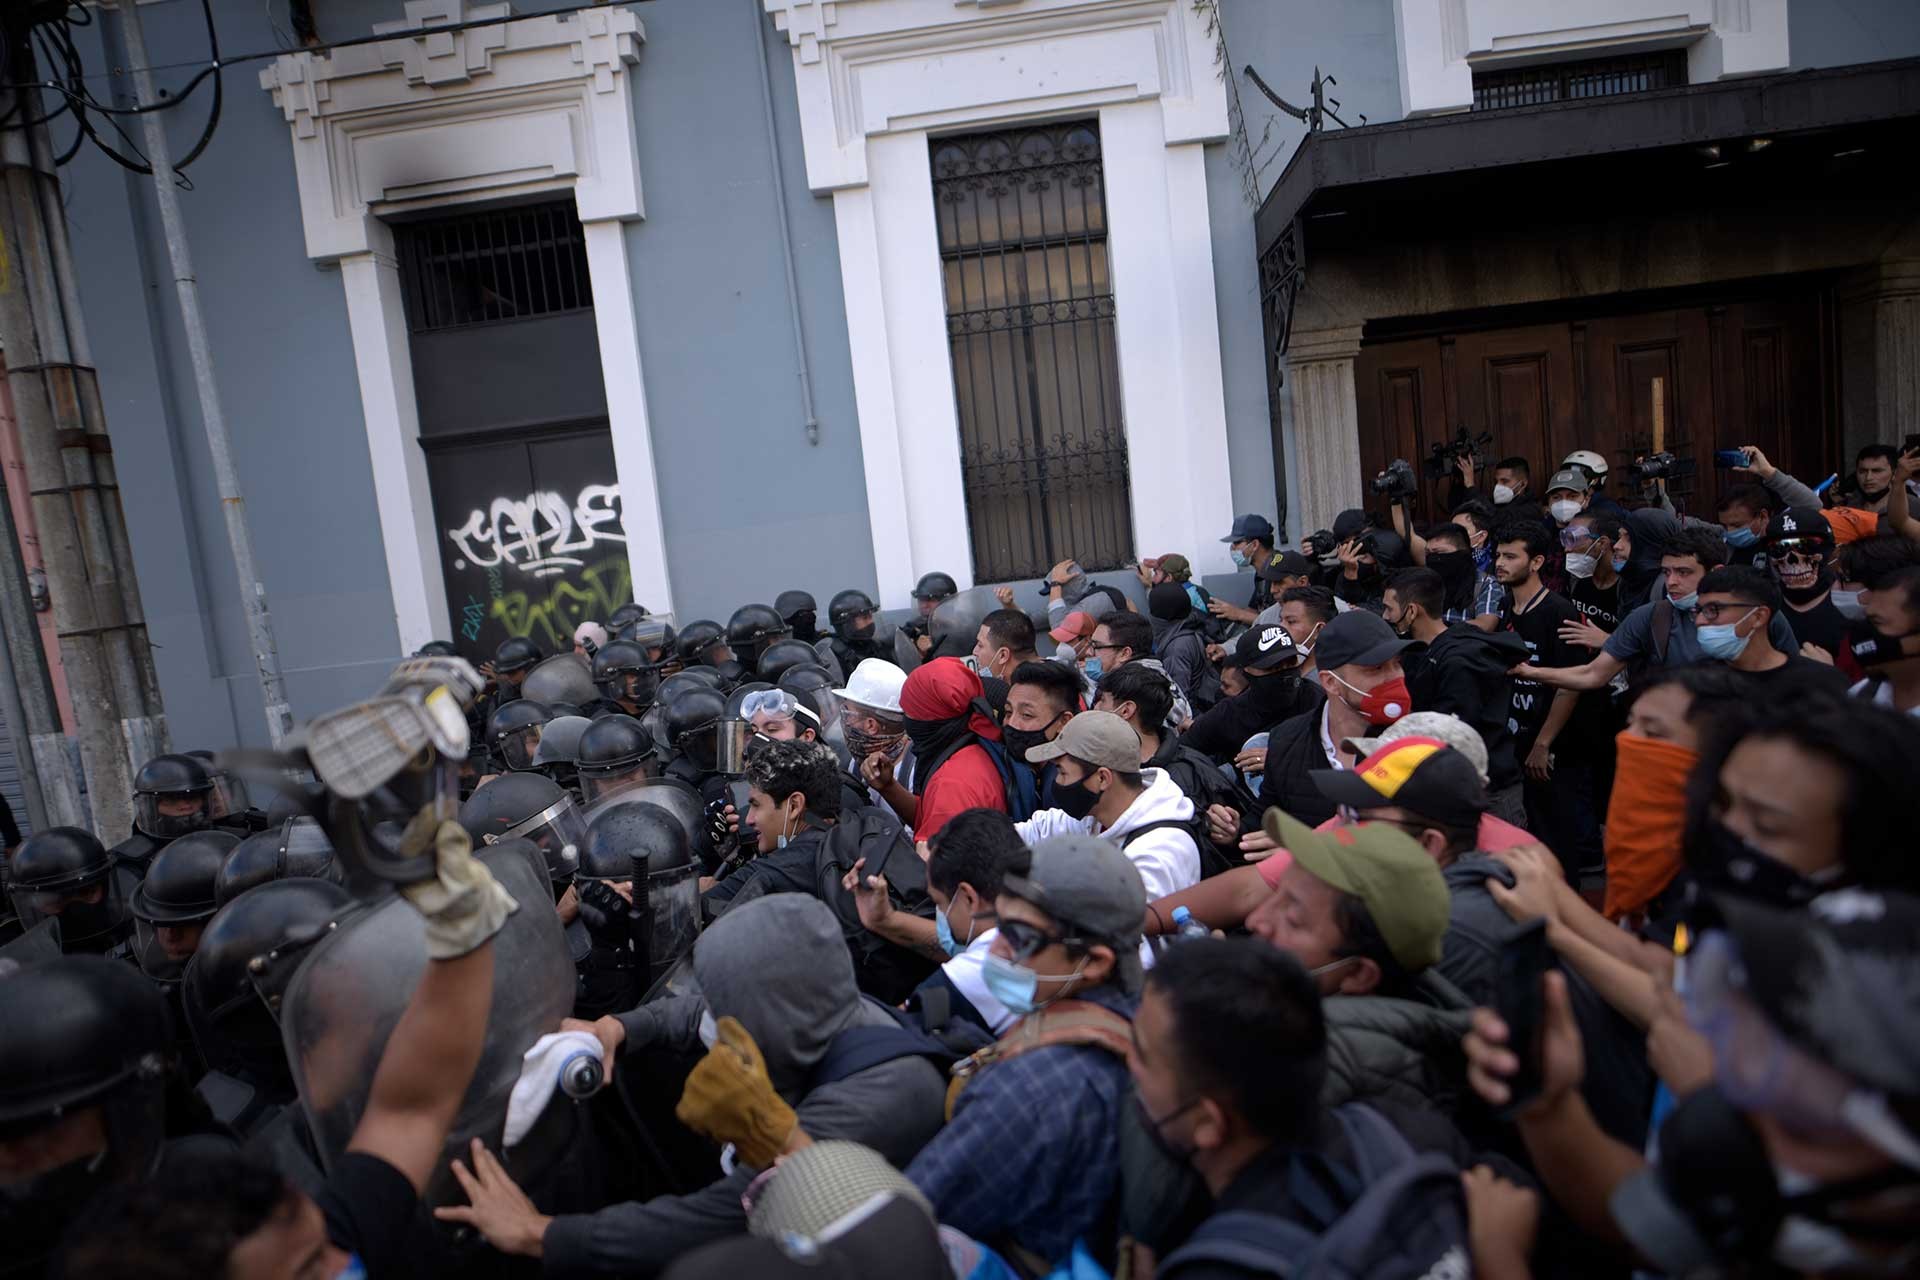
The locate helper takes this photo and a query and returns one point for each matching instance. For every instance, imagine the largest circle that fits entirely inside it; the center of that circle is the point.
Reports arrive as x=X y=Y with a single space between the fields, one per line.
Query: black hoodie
x=1463 y=672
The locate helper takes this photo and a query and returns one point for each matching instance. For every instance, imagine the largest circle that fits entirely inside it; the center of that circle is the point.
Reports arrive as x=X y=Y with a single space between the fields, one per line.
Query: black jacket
x=1220 y=733
x=1293 y=753
x=1464 y=673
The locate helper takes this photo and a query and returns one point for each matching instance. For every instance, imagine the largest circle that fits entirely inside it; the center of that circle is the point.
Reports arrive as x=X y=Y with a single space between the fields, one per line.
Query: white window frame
x=436 y=119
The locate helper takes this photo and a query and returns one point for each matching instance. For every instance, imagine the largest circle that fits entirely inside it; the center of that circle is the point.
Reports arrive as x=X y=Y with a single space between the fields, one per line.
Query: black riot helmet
x=231 y=1002
x=657 y=637
x=437 y=649
x=626 y=615
x=847 y=606
x=615 y=752
x=172 y=795
x=751 y=629
x=630 y=839
x=693 y=725
x=513 y=731
x=528 y=806
x=814 y=685
x=783 y=656
x=296 y=848
x=558 y=755
x=701 y=643
x=229 y=789
x=798 y=610
x=681 y=681
x=180 y=891
x=65 y=872
x=935 y=586
x=516 y=654
x=624 y=673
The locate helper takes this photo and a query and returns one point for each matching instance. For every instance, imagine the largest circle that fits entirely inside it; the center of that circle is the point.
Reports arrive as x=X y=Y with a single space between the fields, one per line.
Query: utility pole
x=76 y=501
x=253 y=592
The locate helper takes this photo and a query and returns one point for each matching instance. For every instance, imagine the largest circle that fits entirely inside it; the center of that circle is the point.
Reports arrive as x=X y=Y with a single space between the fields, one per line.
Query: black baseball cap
x=1263 y=649
x=1800 y=524
x=1288 y=564
x=1249 y=527
x=1421 y=775
x=1357 y=638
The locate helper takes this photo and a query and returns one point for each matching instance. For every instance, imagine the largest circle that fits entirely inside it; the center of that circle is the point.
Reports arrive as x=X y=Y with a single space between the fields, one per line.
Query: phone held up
x=1518 y=998
x=1729 y=458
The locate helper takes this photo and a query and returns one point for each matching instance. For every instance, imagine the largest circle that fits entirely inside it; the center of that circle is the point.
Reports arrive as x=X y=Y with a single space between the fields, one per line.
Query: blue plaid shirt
x=1488 y=596
x=1033 y=1150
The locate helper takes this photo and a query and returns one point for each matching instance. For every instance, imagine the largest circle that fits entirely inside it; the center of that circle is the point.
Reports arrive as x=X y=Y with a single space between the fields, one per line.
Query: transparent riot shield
x=565 y=677
x=955 y=625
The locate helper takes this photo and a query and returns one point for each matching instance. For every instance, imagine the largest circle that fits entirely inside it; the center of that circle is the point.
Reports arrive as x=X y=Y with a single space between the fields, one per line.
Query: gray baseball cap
x=1089 y=885
x=1099 y=738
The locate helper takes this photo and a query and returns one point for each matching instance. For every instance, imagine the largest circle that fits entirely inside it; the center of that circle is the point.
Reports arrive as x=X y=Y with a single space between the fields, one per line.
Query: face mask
x=1619 y=563
x=1725 y=860
x=1848 y=603
x=1014 y=985
x=1502 y=494
x=1686 y=602
x=1742 y=537
x=1581 y=565
x=943 y=934
x=1075 y=799
x=860 y=635
x=1172 y=1150
x=1092 y=668
x=1401 y=626
x=709 y=1029
x=1240 y=559
x=1305 y=647
x=1564 y=510
x=863 y=744
x=1874 y=649
x=1020 y=741
x=786 y=825
x=1723 y=640
x=1384 y=703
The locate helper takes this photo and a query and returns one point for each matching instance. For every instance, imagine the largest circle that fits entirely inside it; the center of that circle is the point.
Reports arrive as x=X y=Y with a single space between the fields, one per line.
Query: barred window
x=501 y=264
x=1023 y=245
x=1589 y=78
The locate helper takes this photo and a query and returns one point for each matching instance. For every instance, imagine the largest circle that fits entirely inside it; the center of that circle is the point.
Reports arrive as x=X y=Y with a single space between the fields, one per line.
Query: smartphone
x=1727 y=458
x=1912 y=445
x=1524 y=960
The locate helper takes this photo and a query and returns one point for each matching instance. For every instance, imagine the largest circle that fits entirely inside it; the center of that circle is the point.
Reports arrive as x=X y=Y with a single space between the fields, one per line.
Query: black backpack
x=1405 y=1218
x=883 y=969
x=862 y=1048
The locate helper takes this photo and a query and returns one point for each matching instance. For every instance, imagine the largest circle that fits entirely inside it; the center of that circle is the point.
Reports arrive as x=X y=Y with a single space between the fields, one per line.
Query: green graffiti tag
x=549 y=620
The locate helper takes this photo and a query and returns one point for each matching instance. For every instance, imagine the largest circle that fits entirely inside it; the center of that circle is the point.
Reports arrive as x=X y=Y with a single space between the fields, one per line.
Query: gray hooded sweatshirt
x=779 y=965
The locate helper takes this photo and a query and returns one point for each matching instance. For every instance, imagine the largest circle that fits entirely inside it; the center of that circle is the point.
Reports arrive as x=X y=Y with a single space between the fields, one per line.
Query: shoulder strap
x=858 y=1049
x=1258 y=1243
x=1183 y=824
x=1662 y=629
x=1065 y=1022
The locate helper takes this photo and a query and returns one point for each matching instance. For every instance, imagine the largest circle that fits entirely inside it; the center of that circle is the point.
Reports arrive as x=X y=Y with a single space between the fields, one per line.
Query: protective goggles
x=777 y=703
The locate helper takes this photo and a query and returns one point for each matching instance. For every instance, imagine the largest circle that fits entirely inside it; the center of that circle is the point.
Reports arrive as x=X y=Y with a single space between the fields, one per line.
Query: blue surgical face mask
x=1742 y=537
x=1685 y=602
x=1014 y=985
x=943 y=934
x=1093 y=668
x=1722 y=640
x=1240 y=559
x=1619 y=564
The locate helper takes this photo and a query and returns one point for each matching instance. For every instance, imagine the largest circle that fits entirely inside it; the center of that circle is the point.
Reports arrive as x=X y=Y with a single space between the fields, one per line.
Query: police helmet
x=847 y=606
x=935 y=586
x=693 y=723
x=614 y=752
x=698 y=640
x=783 y=656
x=513 y=731
x=625 y=615
x=169 y=781
x=180 y=885
x=296 y=848
x=516 y=654
x=624 y=673
x=789 y=603
x=66 y=872
x=751 y=629
x=437 y=649
x=640 y=836
x=528 y=806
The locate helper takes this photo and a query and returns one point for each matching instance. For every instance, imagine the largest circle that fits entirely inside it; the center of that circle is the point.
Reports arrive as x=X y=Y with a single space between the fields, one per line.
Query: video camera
x=1659 y=466
x=1440 y=458
x=1397 y=482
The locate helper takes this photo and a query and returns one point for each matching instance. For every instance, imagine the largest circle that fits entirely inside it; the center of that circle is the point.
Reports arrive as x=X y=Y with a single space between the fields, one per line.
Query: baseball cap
x=1249 y=526
x=1446 y=727
x=1288 y=564
x=1100 y=738
x=1174 y=565
x=1088 y=884
x=1382 y=866
x=1421 y=775
x=1800 y=524
x=1263 y=649
x=1351 y=523
x=1075 y=626
x=1570 y=479
x=1356 y=638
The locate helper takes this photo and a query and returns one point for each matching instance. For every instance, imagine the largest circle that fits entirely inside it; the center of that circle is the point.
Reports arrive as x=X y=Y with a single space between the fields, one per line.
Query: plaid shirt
x=1033 y=1150
x=1488 y=597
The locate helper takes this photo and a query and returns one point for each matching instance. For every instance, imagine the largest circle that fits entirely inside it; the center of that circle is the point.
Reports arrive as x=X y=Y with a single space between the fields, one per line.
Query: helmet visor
x=517 y=748
x=229 y=795
x=89 y=913
x=558 y=831
x=635 y=685
x=164 y=949
x=166 y=815
x=597 y=785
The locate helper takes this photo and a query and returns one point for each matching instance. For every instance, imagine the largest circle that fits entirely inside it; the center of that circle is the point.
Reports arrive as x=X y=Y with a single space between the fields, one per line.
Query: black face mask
x=1723 y=860
x=1874 y=648
x=805 y=629
x=1822 y=583
x=1020 y=741
x=1075 y=799
x=861 y=635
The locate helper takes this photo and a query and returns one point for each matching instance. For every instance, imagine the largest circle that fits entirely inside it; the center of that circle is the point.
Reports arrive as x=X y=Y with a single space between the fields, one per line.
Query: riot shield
x=673 y=883
x=955 y=624
x=906 y=654
x=351 y=990
x=671 y=794
x=829 y=659
x=565 y=677
x=36 y=946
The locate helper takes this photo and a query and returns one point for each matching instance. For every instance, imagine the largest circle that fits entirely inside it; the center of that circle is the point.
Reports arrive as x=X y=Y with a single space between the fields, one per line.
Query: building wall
x=1836 y=33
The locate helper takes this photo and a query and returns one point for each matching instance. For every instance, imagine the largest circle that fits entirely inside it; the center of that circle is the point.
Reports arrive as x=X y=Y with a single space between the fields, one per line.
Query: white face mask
x=1581 y=565
x=1848 y=603
x=1564 y=510
x=1502 y=494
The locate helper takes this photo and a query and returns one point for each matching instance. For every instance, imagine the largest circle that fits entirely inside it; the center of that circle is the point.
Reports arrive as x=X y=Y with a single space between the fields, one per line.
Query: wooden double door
x=1695 y=378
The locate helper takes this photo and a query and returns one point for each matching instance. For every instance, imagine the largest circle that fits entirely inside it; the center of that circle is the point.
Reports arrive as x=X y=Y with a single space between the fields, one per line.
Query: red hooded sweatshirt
x=946 y=691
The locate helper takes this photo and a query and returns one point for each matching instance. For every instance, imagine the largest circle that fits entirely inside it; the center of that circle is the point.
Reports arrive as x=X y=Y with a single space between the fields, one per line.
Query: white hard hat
x=592 y=631
x=1587 y=460
x=876 y=684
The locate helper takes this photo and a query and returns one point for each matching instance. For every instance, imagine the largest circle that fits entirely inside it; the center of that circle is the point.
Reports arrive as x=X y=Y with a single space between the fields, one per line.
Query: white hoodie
x=1167 y=860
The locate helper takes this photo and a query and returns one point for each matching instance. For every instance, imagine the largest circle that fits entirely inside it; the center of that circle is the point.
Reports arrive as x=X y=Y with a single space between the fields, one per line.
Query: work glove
x=730 y=1099
x=462 y=904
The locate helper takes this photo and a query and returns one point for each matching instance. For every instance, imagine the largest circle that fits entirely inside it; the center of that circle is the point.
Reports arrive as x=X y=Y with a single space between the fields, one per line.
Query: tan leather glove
x=463 y=904
x=730 y=1099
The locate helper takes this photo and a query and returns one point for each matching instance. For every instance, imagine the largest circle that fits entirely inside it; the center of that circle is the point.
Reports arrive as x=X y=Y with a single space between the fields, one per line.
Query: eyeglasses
x=1027 y=940
x=1098 y=647
x=1353 y=817
x=1712 y=613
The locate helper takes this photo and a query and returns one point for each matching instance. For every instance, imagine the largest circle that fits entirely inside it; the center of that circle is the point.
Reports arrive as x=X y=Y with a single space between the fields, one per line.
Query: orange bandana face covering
x=1645 y=818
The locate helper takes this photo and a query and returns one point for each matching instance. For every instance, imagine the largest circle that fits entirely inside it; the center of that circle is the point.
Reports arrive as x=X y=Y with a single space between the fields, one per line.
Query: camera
x=1396 y=482
x=1320 y=543
x=1441 y=457
x=1659 y=466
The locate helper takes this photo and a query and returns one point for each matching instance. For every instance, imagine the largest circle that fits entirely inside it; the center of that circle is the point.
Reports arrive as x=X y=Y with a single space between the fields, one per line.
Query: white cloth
x=967 y=973
x=1880 y=694
x=540 y=1078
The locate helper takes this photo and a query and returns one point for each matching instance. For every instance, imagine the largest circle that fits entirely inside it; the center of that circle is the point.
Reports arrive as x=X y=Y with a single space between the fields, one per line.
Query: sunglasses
x=1027 y=940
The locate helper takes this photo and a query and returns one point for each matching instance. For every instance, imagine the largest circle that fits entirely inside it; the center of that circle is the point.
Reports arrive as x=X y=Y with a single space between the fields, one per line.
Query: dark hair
x=1009 y=629
x=973 y=848
x=181 y=1227
x=1319 y=601
x=1451 y=534
x=1055 y=679
x=1716 y=691
x=1907 y=582
x=1360 y=936
x=1705 y=545
x=1529 y=533
x=1753 y=497
x=1515 y=463
x=1745 y=583
x=1248 y=1032
x=782 y=767
x=1604 y=524
x=1886 y=451
x=1132 y=630
x=1872 y=561
x=1150 y=692
x=1421 y=587
x=1478 y=510
x=1877 y=752
x=1459 y=839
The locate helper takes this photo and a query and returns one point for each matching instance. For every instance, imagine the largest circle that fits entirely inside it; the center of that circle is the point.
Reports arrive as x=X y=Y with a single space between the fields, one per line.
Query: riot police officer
x=693 y=729
x=232 y=806
x=652 y=826
x=513 y=733
x=927 y=595
x=625 y=616
x=783 y=656
x=798 y=610
x=173 y=904
x=616 y=752
x=64 y=873
x=172 y=795
x=627 y=679
x=702 y=643
x=558 y=755
x=529 y=806
x=616 y=914
x=850 y=614
x=295 y=849
x=657 y=638
x=751 y=629
x=512 y=660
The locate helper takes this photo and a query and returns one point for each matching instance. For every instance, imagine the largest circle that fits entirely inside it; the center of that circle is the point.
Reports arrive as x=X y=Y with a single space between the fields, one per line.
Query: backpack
x=881 y=968
x=1405 y=1218
x=1157 y=1195
x=1662 y=630
x=858 y=1049
x=1212 y=861
x=1020 y=782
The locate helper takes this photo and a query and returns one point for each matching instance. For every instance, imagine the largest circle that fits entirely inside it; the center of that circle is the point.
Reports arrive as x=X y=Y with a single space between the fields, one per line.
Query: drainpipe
x=765 y=78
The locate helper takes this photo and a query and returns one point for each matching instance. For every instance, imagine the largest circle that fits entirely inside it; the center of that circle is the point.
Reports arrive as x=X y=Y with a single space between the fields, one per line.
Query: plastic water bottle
x=581 y=1075
x=1185 y=926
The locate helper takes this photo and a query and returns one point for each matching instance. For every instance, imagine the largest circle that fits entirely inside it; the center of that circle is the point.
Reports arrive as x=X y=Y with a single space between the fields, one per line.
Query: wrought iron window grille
x=492 y=266
x=1499 y=89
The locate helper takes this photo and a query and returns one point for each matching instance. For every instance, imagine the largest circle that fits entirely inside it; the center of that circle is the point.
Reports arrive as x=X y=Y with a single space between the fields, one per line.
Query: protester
x=1005 y=641
x=1124 y=638
x=1358 y=661
x=1303 y=611
x=1888 y=650
x=1799 y=551
x=948 y=721
x=875 y=729
x=1267 y=660
x=1137 y=694
x=1536 y=614
x=1250 y=542
x=966 y=868
x=793 y=797
x=1736 y=608
x=1180 y=646
x=1155 y=570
